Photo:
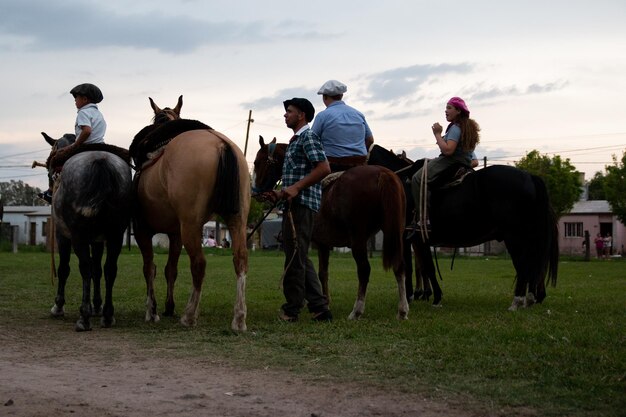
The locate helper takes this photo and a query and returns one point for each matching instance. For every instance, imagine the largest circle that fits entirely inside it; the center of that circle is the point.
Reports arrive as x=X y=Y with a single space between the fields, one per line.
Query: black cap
x=303 y=105
x=90 y=91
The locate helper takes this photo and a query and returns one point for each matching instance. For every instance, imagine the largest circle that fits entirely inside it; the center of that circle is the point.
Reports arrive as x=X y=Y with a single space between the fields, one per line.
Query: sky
x=536 y=75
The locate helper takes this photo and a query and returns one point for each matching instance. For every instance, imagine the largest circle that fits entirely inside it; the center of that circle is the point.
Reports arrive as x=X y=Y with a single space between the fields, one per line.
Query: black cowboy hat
x=90 y=91
x=303 y=105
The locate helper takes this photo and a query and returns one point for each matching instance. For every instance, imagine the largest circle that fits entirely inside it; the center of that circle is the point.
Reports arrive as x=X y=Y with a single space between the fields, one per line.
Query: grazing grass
x=564 y=357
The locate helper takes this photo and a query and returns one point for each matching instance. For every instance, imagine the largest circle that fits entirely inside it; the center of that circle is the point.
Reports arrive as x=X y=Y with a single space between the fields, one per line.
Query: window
x=573 y=229
x=44 y=229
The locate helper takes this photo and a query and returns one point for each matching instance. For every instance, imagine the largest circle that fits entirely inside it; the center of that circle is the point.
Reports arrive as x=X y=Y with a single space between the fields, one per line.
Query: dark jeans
x=301 y=281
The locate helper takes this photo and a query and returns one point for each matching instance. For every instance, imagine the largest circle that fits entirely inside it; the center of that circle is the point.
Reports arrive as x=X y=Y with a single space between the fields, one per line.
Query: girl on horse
x=457 y=147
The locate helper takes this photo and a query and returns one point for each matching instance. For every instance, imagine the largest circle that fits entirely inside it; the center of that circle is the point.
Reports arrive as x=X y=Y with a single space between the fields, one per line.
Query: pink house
x=594 y=216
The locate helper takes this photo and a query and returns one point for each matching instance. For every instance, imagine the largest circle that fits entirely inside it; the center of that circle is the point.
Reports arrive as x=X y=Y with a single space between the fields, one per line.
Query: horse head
x=65 y=140
x=166 y=114
x=268 y=165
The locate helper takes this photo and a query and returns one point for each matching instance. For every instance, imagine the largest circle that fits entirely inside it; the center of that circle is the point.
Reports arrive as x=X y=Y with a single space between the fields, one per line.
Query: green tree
x=615 y=187
x=18 y=193
x=596 y=187
x=562 y=180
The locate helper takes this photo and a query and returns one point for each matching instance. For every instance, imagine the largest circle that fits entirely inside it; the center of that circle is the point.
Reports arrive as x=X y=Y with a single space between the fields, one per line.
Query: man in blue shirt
x=304 y=167
x=345 y=135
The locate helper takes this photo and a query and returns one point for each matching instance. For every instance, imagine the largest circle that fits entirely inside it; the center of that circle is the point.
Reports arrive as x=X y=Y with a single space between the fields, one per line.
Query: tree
x=596 y=187
x=562 y=180
x=615 y=187
x=18 y=193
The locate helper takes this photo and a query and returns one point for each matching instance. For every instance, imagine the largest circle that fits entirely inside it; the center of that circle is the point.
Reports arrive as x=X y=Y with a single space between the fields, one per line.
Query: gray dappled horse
x=91 y=207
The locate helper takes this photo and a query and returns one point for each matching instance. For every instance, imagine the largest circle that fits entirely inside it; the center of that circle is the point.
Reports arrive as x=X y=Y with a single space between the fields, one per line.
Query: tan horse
x=198 y=174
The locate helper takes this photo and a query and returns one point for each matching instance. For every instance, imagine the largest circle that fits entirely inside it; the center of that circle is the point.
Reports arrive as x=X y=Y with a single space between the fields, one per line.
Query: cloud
x=46 y=25
x=402 y=82
x=513 y=90
x=276 y=100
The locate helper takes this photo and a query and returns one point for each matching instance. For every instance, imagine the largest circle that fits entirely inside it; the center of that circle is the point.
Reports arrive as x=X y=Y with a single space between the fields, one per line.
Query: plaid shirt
x=302 y=154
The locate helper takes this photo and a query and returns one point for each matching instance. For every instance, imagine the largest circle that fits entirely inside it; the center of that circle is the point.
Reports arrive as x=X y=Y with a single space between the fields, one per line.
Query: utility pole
x=250 y=121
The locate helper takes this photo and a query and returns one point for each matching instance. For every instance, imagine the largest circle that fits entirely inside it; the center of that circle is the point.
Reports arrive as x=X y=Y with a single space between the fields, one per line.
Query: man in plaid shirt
x=304 y=167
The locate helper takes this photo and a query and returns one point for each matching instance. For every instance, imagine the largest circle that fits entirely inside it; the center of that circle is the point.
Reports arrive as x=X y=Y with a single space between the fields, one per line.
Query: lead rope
x=424 y=202
x=295 y=246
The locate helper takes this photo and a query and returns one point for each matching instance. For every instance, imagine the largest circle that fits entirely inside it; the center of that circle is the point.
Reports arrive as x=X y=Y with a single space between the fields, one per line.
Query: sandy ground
x=90 y=374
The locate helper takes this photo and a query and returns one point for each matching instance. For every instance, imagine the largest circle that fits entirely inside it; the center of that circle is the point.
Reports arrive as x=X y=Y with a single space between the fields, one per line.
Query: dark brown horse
x=362 y=201
x=496 y=203
x=189 y=173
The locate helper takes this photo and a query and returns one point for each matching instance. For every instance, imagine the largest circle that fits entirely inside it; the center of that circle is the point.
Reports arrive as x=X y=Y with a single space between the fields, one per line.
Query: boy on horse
x=90 y=125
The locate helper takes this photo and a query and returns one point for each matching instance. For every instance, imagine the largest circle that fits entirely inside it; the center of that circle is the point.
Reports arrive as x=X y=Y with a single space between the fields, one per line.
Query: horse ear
x=261 y=141
x=404 y=154
x=273 y=140
x=179 y=105
x=155 y=108
x=48 y=139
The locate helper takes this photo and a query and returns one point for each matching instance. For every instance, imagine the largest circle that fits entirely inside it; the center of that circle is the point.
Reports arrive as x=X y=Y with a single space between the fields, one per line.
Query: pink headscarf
x=459 y=104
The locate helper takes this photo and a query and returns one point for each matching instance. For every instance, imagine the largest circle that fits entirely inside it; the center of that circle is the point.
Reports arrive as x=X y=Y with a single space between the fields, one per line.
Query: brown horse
x=189 y=173
x=362 y=201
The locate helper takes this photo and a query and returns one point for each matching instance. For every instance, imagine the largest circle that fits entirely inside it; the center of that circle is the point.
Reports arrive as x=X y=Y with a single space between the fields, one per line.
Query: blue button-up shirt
x=343 y=130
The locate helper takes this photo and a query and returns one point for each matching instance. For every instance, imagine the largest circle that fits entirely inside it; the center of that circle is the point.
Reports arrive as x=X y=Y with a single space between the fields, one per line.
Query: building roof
x=591 y=207
x=28 y=210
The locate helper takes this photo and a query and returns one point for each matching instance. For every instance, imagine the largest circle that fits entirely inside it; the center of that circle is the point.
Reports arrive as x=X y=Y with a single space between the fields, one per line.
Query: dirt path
x=88 y=374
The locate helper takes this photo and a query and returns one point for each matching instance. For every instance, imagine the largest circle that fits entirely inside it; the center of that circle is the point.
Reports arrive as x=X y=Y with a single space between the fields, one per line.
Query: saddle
x=329 y=179
x=154 y=137
x=55 y=161
x=456 y=177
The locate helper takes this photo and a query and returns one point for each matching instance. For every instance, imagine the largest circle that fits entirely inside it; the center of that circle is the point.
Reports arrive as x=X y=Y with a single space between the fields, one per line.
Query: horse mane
x=152 y=137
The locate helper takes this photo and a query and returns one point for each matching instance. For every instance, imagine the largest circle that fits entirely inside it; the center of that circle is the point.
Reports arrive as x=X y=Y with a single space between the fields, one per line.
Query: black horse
x=91 y=206
x=495 y=203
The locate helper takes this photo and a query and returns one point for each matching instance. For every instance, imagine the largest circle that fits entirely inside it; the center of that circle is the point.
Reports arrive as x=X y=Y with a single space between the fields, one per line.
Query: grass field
x=564 y=357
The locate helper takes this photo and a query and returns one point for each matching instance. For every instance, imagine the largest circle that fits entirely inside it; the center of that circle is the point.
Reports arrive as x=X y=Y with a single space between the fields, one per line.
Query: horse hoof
x=187 y=322
x=57 y=311
x=107 y=323
x=354 y=316
x=154 y=318
x=82 y=326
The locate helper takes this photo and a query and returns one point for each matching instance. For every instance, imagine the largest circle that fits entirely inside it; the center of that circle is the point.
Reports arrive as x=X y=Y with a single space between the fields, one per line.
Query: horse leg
x=323 y=255
x=403 y=302
x=97 y=249
x=114 y=247
x=84 y=265
x=191 y=238
x=363 y=268
x=521 y=282
x=408 y=265
x=237 y=228
x=65 y=250
x=171 y=272
x=144 y=241
x=427 y=269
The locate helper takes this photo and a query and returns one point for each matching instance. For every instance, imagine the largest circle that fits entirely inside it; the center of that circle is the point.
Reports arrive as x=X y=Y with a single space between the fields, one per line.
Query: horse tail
x=101 y=183
x=394 y=205
x=548 y=239
x=228 y=182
